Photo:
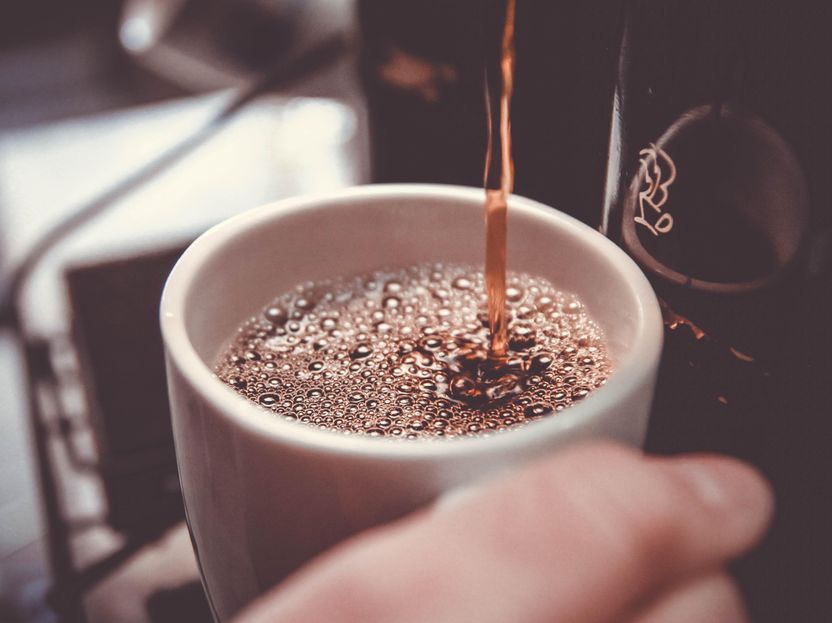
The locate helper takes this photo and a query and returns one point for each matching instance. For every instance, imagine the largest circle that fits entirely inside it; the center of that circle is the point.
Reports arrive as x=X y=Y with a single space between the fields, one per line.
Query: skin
x=596 y=534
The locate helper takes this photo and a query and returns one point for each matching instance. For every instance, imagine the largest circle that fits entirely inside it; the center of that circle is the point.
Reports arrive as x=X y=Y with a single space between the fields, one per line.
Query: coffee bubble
x=404 y=355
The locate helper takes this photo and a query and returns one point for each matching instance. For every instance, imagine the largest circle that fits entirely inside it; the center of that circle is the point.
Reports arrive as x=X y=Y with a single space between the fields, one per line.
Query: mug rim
x=632 y=371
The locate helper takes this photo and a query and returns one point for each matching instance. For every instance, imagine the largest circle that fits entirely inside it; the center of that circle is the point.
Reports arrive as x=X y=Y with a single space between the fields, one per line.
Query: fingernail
x=728 y=486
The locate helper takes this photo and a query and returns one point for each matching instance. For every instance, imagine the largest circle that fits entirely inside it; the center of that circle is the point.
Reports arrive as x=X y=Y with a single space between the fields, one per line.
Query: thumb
x=587 y=535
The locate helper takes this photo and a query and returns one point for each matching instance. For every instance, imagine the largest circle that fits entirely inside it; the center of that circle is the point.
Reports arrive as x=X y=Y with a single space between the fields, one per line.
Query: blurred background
x=127 y=127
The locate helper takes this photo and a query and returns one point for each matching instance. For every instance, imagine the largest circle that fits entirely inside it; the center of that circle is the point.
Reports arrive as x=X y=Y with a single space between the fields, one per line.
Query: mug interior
x=238 y=267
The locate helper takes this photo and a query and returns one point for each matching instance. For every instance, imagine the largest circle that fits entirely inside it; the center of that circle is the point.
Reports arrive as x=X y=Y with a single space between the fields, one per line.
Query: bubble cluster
x=404 y=354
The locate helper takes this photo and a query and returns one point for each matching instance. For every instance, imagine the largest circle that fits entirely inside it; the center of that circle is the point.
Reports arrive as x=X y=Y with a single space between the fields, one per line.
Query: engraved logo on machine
x=658 y=172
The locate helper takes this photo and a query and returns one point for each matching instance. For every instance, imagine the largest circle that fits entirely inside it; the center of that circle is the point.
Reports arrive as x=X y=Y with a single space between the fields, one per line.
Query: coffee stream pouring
x=422 y=71
x=716 y=187
x=498 y=163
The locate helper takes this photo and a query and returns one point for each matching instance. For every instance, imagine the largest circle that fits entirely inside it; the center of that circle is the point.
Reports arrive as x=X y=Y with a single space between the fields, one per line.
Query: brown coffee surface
x=404 y=353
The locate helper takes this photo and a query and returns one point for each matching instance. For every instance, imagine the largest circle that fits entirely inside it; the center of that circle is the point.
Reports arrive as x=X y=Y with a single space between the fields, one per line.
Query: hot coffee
x=411 y=353
x=405 y=353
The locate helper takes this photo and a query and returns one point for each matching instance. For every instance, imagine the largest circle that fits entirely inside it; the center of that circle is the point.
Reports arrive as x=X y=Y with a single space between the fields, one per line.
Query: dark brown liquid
x=496 y=199
x=406 y=354
x=409 y=353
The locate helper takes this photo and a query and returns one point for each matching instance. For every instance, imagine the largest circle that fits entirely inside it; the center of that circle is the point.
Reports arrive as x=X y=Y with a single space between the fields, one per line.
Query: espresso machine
x=695 y=135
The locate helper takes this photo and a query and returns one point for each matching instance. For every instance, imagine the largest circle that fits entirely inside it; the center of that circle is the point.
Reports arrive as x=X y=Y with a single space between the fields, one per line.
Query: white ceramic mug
x=264 y=495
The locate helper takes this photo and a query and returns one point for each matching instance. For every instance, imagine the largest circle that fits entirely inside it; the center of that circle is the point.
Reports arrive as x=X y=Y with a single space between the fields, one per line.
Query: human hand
x=595 y=534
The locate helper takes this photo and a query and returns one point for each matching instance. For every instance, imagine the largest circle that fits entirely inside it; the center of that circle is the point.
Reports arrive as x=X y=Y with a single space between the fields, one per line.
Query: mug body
x=264 y=495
